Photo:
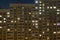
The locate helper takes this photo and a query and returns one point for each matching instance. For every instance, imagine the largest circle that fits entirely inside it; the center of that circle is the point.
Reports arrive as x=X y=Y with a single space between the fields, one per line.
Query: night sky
x=5 y=3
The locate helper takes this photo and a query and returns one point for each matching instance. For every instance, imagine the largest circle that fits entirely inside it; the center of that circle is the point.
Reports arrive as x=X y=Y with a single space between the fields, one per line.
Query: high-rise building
x=49 y=13
x=22 y=20
x=3 y=23
x=39 y=21
x=16 y=23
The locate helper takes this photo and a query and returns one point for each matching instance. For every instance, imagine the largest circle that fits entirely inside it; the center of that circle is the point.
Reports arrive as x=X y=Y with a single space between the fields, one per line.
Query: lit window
x=58 y=32
x=8 y=15
x=4 y=21
x=50 y=7
x=47 y=24
x=0 y=27
x=40 y=13
x=0 y=21
x=26 y=21
x=47 y=7
x=54 y=7
x=36 y=1
x=36 y=23
x=36 y=7
x=58 y=13
x=15 y=29
x=39 y=7
x=29 y=12
x=15 y=21
x=11 y=21
x=58 y=24
x=47 y=29
x=4 y=18
x=43 y=4
x=33 y=21
x=8 y=12
x=39 y=18
x=40 y=35
x=40 y=2
x=18 y=18
x=8 y=29
x=47 y=37
x=36 y=20
x=43 y=32
x=58 y=9
x=0 y=15
x=26 y=37
x=54 y=23
x=22 y=7
x=29 y=29
x=54 y=32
